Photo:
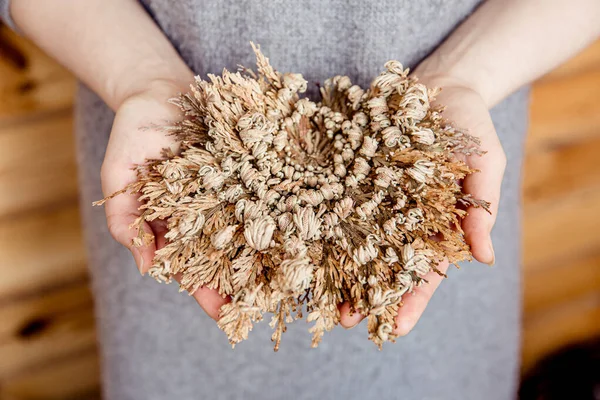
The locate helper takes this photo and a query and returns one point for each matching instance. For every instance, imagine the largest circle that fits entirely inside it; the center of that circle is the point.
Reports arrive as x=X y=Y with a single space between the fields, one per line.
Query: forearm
x=508 y=43
x=111 y=45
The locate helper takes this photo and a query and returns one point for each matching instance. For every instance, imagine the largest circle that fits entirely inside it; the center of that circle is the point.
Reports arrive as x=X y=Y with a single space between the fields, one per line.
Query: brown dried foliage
x=282 y=203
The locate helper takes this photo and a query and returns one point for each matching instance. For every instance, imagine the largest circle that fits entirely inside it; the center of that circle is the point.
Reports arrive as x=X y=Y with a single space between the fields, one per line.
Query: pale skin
x=116 y=49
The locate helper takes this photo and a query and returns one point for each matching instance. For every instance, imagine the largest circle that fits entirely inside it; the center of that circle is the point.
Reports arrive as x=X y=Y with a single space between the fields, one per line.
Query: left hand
x=467 y=110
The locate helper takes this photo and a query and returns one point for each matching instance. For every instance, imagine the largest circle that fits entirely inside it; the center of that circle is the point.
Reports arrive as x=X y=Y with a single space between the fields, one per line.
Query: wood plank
x=559 y=231
x=76 y=378
x=63 y=335
x=556 y=327
x=39 y=85
x=559 y=171
x=37 y=164
x=28 y=316
x=588 y=59
x=561 y=283
x=40 y=250
x=564 y=110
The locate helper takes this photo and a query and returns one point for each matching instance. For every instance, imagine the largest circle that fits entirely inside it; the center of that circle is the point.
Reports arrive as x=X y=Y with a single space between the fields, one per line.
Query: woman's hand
x=133 y=140
x=467 y=110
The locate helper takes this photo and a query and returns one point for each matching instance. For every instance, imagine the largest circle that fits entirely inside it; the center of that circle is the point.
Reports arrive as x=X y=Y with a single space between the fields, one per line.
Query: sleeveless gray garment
x=158 y=344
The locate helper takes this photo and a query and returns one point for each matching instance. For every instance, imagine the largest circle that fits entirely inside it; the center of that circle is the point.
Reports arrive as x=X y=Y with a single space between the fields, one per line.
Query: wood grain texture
x=560 y=283
x=548 y=330
x=37 y=164
x=73 y=378
x=561 y=171
x=561 y=232
x=62 y=335
x=30 y=315
x=41 y=250
x=561 y=196
x=564 y=110
x=34 y=85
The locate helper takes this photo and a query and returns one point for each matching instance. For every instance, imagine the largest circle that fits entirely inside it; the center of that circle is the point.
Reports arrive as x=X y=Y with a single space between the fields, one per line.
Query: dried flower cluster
x=282 y=203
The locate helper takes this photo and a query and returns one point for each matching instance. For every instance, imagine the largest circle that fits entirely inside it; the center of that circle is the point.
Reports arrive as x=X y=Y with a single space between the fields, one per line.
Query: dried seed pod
x=259 y=232
x=424 y=136
x=307 y=223
x=369 y=147
x=296 y=275
x=222 y=237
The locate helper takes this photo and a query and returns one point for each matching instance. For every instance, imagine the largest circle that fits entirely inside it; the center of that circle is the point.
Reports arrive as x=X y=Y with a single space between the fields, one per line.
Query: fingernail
x=491 y=263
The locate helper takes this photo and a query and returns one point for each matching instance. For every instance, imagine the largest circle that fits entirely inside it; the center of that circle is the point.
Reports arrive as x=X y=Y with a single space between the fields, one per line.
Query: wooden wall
x=47 y=335
x=47 y=339
x=561 y=197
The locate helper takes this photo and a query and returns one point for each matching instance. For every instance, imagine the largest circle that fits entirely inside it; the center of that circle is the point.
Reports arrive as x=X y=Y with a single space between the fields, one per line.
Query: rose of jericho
x=286 y=205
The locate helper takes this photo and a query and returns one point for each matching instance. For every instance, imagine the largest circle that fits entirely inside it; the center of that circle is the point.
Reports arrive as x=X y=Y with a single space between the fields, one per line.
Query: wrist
x=434 y=73
x=162 y=89
x=164 y=83
x=157 y=88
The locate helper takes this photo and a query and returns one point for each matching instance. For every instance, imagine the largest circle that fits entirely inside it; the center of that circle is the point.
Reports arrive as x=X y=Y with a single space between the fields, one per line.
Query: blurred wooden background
x=47 y=339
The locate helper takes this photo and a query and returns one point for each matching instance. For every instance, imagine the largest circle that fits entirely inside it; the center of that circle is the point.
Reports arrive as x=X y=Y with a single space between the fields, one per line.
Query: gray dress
x=158 y=344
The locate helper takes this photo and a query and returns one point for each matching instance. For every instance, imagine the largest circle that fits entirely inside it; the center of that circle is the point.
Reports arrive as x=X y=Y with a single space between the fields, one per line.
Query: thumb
x=121 y=215
x=484 y=185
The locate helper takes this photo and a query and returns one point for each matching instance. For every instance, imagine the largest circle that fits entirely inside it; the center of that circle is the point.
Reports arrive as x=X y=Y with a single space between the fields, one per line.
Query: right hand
x=132 y=141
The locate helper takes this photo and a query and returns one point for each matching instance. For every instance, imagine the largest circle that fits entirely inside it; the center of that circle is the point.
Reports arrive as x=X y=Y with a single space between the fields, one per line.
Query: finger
x=210 y=300
x=415 y=303
x=121 y=213
x=484 y=185
x=159 y=228
x=349 y=319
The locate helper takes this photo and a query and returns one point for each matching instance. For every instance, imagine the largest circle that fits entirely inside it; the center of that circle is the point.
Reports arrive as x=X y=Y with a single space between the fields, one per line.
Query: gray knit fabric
x=158 y=344
x=5 y=14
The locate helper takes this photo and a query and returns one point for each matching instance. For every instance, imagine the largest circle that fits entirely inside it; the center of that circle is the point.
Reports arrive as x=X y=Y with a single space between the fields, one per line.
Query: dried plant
x=282 y=203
